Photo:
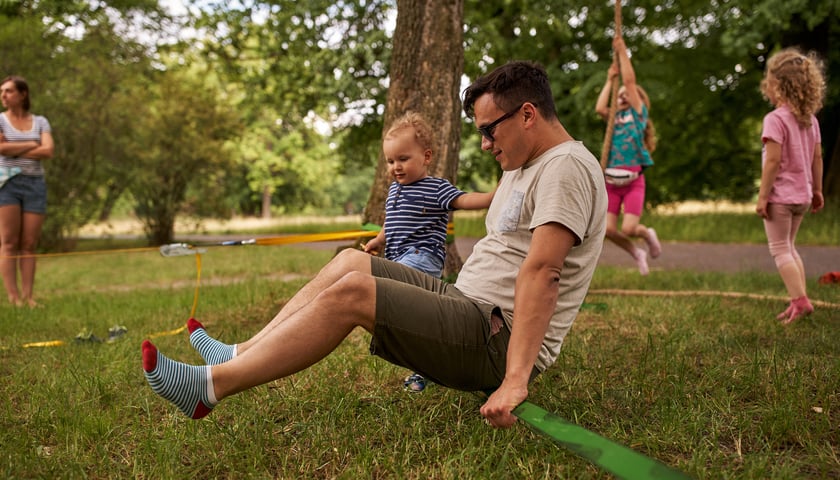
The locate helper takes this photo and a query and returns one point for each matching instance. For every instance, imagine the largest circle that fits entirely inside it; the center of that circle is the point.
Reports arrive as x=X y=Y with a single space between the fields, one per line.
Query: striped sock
x=211 y=350
x=189 y=387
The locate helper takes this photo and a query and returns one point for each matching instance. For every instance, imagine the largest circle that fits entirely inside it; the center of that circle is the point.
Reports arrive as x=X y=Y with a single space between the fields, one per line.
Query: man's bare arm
x=536 y=298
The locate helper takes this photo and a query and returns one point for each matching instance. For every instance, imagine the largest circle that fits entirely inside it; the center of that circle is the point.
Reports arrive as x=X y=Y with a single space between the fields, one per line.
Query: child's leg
x=796 y=222
x=615 y=198
x=780 y=231
x=624 y=242
x=634 y=204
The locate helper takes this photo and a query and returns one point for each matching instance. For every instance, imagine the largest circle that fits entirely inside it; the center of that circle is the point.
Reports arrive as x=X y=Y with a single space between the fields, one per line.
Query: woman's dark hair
x=21 y=86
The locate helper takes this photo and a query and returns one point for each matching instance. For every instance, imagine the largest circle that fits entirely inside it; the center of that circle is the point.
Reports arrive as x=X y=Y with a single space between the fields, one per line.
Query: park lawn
x=710 y=385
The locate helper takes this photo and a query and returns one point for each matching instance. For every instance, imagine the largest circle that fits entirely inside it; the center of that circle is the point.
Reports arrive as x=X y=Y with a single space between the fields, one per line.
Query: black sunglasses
x=487 y=130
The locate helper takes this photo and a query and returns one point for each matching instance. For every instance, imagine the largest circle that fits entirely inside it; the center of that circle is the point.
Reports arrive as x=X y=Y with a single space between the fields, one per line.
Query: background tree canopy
x=261 y=107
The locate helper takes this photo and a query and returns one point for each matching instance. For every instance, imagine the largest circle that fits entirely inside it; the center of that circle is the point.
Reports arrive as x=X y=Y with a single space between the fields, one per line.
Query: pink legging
x=781 y=229
x=631 y=195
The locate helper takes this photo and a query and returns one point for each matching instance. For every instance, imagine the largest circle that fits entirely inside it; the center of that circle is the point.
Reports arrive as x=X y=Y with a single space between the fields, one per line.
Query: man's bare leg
x=348 y=260
x=293 y=344
x=215 y=352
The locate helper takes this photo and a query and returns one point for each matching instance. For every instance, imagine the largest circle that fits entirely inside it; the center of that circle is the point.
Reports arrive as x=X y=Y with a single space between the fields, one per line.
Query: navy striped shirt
x=416 y=216
x=28 y=166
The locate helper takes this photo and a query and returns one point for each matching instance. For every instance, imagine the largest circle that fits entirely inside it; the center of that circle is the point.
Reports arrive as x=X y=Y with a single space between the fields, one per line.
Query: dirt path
x=700 y=257
x=712 y=257
x=730 y=258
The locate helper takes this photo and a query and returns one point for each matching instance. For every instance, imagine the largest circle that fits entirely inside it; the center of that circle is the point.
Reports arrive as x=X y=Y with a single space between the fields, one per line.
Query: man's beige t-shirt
x=564 y=185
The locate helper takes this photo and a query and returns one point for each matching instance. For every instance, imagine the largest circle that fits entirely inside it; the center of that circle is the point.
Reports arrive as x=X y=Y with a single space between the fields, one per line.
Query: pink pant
x=781 y=229
x=632 y=196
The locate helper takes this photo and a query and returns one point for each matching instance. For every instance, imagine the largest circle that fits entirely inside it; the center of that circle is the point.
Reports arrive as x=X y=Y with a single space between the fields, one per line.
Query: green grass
x=710 y=385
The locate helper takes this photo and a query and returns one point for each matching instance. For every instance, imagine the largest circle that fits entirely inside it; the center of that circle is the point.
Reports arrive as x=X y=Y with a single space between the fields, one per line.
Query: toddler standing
x=418 y=205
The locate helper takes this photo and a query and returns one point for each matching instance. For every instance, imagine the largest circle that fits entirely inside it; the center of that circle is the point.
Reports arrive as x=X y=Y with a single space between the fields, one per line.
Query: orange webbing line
x=314 y=237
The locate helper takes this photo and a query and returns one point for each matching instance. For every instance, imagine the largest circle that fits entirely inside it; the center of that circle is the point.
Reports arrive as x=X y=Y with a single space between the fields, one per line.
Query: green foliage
x=286 y=68
x=329 y=57
x=700 y=62
x=82 y=86
x=182 y=130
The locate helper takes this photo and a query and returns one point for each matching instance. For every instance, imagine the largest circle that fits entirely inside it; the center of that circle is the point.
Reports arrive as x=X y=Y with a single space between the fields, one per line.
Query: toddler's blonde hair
x=422 y=129
x=800 y=82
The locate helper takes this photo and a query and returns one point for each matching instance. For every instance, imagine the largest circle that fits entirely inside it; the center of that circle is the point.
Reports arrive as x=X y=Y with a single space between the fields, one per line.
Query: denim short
x=27 y=192
x=427 y=325
x=423 y=261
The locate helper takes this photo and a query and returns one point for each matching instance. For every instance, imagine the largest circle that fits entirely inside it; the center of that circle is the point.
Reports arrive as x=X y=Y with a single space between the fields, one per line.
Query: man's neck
x=555 y=134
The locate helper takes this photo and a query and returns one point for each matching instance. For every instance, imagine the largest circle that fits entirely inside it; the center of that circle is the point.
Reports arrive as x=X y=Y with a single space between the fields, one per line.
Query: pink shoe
x=801 y=308
x=786 y=313
x=653 y=243
x=641 y=261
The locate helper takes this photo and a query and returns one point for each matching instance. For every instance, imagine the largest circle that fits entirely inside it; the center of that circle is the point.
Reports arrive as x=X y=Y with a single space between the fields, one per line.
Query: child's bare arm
x=602 y=105
x=772 y=160
x=474 y=200
x=376 y=244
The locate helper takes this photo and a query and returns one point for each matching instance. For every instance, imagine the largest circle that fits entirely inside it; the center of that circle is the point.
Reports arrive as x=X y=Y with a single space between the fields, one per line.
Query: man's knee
x=350 y=255
x=354 y=294
x=350 y=260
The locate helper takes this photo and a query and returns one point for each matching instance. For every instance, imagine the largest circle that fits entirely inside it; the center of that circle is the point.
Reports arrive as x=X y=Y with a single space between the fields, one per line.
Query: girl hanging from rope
x=632 y=141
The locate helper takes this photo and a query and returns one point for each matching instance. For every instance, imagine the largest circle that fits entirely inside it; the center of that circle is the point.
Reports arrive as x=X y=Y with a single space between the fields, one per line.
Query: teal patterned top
x=628 y=147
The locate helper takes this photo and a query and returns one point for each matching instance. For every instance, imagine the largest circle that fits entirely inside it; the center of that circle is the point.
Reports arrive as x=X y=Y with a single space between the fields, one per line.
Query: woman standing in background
x=25 y=141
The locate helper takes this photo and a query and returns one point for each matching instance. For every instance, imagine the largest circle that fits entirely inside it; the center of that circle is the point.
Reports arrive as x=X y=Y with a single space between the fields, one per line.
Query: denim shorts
x=27 y=192
x=423 y=261
x=429 y=326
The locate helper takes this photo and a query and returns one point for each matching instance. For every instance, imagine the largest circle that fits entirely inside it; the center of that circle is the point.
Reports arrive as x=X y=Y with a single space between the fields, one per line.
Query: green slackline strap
x=612 y=457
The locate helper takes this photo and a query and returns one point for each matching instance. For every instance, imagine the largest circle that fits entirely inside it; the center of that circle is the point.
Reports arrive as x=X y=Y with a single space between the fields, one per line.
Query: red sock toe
x=149 y=356
x=201 y=411
x=193 y=325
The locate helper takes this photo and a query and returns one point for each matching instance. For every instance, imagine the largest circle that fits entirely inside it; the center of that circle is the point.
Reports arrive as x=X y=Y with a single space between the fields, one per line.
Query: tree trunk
x=425 y=76
x=266 y=203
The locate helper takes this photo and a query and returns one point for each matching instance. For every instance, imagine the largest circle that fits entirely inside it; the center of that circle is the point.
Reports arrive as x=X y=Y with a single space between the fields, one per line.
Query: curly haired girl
x=792 y=167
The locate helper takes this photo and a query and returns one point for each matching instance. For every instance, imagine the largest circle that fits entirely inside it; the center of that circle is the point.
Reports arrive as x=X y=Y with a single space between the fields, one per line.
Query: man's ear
x=529 y=113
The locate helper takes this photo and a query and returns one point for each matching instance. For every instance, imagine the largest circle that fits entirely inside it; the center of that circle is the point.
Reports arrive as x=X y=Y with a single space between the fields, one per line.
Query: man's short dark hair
x=513 y=84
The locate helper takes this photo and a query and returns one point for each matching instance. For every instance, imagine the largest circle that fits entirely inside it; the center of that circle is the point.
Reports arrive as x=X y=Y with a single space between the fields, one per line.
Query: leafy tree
x=78 y=67
x=295 y=63
x=700 y=61
x=182 y=133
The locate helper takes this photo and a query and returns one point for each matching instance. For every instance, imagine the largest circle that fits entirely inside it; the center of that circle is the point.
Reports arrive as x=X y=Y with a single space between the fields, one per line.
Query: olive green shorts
x=430 y=327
